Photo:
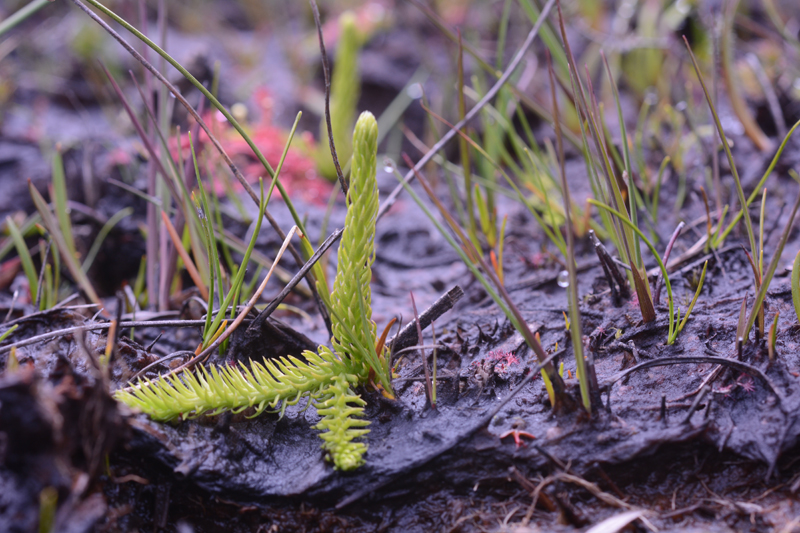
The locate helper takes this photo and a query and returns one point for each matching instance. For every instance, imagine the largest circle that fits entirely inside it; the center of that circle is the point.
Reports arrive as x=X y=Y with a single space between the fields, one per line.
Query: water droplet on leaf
x=563 y=279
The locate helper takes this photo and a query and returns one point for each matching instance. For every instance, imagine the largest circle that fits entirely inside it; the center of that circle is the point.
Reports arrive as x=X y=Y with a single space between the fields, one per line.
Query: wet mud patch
x=745 y=416
x=491 y=455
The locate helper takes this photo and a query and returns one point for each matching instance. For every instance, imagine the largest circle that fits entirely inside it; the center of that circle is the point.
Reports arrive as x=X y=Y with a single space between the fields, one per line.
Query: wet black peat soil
x=695 y=436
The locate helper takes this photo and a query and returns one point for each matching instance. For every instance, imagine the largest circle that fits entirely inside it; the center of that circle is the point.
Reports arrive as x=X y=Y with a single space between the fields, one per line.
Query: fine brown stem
x=326 y=71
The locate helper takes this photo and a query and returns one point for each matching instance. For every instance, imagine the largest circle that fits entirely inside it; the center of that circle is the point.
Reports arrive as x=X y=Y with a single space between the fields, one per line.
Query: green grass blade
x=549 y=36
x=250 y=286
x=761 y=182
x=49 y=290
x=211 y=98
x=25 y=257
x=25 y=229
x=691 y=305
x=242 y=268
x=21 y=15
x=553 y=232
x=632 y=192
x=502 y=33
x=226 y=251
x=238 y=279
x=717 y=234
x=101 y=236
x=138 y=284
x=585 y=113
x=72 y=262
x=8 y=332
x=208 y=227
x=211 y=245
x=572 y=291
x=742 y=201
x=766 y=278
x=472 y=260
x=463 y=148
x=60 y=200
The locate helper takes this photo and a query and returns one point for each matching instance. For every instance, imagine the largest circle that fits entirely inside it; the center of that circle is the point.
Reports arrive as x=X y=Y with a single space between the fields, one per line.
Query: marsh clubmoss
x=328 y=378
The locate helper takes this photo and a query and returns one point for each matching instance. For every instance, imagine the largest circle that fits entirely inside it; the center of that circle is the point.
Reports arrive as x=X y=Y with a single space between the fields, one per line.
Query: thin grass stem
x=490 y=94
x=21 y=15
x=25 y=258
x=572 y=290
x=744 y=203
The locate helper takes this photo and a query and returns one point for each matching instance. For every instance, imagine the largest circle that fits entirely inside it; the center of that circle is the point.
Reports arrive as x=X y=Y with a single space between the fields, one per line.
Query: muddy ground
x=682 y=457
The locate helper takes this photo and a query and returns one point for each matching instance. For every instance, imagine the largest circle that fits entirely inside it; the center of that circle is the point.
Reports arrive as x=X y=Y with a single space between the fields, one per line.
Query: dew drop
x=239 y=111
x=388 y=169
x=414 y=91
x=563 y=279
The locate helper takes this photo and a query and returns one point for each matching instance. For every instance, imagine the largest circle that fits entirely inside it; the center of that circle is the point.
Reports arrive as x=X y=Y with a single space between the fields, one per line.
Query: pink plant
x=298 y=176
x=503 y=361
x=746 y=383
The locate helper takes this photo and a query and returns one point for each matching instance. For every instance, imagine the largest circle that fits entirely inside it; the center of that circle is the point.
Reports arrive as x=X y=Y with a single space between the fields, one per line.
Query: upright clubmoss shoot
x=327 y=378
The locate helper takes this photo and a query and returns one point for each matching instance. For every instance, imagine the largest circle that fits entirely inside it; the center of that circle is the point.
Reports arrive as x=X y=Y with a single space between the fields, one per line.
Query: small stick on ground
x=664 y=361
x=263 y=315
x=99 y=327
x=610 y=269
x=407 y=336
x=428 y=386
x=696 y=404
x=149 y=347
x=711 y=377
x=252 y=302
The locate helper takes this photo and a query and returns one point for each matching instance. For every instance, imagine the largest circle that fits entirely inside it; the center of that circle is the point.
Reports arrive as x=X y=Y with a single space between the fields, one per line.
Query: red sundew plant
x=504 y=361
x=499 y=360
x=298 y=175
x=746 y=383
